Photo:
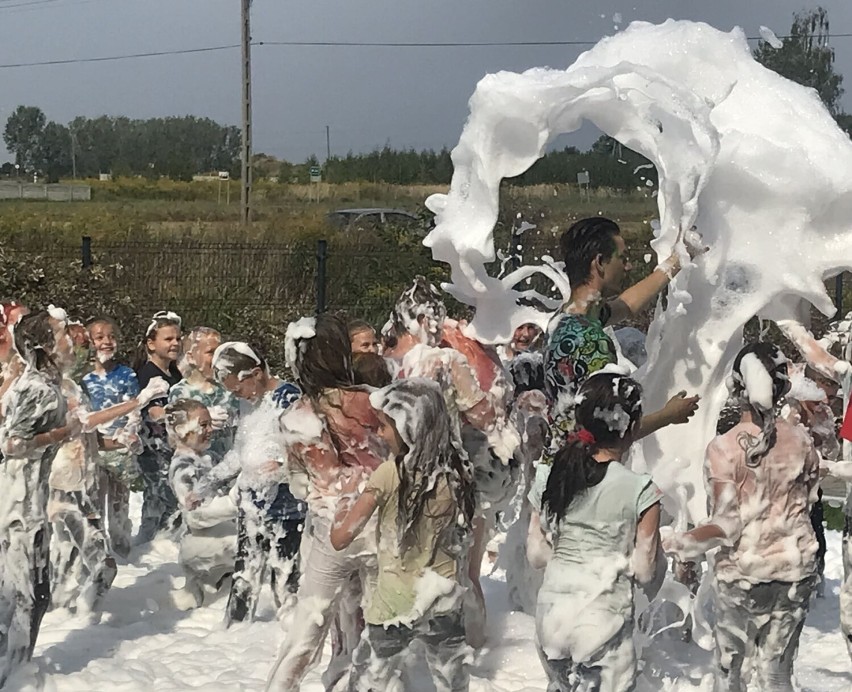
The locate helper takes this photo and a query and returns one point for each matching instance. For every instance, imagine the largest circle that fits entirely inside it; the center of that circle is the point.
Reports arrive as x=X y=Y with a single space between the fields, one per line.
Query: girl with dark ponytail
x=604 y=521
x=762 y=476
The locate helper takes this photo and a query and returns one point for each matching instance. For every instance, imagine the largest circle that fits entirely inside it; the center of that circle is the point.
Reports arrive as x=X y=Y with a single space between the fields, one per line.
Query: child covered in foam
x=476 y=394
x=34 y=423
x=271 y=519
x=762 y=478
x=208 y=548
x=111 y=384
x=425 y=502
x=604 y=521
x=199 y=383
x=330 y=435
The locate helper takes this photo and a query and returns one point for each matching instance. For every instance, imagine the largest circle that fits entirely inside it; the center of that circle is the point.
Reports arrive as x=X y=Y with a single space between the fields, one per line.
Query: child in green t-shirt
x=425 y=500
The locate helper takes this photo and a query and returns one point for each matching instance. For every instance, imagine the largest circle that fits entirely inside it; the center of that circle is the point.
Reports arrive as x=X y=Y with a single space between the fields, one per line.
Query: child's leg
x=152 y=507
x=558 y=672
x=66 y=572
x=846 y=587
x=779 y=641
x=347 y=628
x=613 y=667
x=192 y=594
x=167 y=499
x=379 y=658
x=447 y=652
x=817 y=518
x=325 y=575
x=733 y=624
x=284 y=559
x=114 y=502
x=475 y=615
x=252 y=554
x=100 y=569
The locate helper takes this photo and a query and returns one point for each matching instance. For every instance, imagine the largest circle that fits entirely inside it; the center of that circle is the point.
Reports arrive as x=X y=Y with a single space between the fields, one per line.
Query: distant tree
x=806 y=57
x=54 y=158
x=23 y=135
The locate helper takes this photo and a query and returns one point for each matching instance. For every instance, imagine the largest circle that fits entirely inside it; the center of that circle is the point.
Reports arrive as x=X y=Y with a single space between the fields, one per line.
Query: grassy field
x=136 y=209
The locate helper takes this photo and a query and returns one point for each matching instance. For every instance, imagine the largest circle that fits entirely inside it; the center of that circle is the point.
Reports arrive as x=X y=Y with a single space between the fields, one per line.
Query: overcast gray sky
x=408 y=97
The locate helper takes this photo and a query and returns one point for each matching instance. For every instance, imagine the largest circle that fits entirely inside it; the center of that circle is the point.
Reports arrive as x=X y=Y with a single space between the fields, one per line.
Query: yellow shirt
x=396 y=588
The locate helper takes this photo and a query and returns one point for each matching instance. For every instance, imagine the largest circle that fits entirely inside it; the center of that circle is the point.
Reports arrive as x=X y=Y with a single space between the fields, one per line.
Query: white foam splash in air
x=774 y=210
x=769 y=36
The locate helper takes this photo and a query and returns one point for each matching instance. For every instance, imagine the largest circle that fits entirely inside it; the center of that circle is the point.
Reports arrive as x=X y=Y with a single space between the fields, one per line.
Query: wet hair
x=772 y=359
x=236 y=358
x=421 y=298
x=358 y=326
x=432 y=453
x=370 y=369
x=102 y=320
x=583 y=242
x=178 y=414
x=188 y=343
x=728 y=418
x=607 y=415
x=323 y=360
x=34 y=340
x=158 y=321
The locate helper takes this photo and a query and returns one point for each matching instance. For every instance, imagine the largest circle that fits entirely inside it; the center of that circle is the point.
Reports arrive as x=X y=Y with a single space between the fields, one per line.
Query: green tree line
x=607 y=162
x=175 y=147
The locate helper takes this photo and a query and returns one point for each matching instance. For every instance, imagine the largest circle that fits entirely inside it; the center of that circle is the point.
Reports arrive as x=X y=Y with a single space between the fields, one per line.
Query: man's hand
x=680 y=408
x=694 y=243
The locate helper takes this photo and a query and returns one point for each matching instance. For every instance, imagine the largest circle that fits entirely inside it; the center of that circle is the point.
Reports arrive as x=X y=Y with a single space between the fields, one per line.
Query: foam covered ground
x=143 y=643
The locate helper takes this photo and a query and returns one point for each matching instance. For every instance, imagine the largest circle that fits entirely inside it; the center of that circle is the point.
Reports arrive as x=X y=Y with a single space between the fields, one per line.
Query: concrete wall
x=52 y=193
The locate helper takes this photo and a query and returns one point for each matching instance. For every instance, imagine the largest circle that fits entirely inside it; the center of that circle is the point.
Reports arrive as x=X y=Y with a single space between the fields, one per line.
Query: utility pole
x=245 y=197
x=327 y=143
x=73 y=155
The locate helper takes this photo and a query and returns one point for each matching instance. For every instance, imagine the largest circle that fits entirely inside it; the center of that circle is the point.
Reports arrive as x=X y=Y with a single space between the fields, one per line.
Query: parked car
x=363 y=218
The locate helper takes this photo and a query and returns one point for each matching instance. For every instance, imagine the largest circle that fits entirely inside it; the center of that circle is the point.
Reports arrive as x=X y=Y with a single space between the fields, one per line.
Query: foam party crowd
x=646 y=501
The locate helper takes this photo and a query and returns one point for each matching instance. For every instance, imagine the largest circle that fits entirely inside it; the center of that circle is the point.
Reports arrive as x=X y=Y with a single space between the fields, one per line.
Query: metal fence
x=209 y=282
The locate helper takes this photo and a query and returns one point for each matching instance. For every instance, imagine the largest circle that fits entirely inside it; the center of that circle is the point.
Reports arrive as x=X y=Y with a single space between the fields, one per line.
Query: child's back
x=397 y=595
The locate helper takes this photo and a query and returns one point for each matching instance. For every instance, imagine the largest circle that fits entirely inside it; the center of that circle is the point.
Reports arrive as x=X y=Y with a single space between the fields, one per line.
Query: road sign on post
x=316 y=174
x=583 y=181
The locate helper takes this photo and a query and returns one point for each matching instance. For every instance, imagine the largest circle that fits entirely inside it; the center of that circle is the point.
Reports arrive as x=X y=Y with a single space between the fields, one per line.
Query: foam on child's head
x=164 y=318
x=235 y=358
x=182 y=418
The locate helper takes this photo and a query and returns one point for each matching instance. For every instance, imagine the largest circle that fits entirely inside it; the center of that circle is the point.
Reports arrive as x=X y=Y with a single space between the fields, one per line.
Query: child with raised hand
x=762 y=477
x=208 y=548
x=425 y=499
x=35 y=422
x=199 y=384
x=271 y=519
x=157 y=356
x=82 y=569
x=604 y=524
x=111 y=383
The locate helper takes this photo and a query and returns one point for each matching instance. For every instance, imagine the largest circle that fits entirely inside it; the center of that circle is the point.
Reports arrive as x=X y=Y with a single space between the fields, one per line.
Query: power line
x=342 y=44
x=27 y=4
x=129 y=56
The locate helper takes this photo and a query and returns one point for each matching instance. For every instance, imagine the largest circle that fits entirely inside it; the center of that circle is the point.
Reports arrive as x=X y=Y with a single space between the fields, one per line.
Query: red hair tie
x=583 y=436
